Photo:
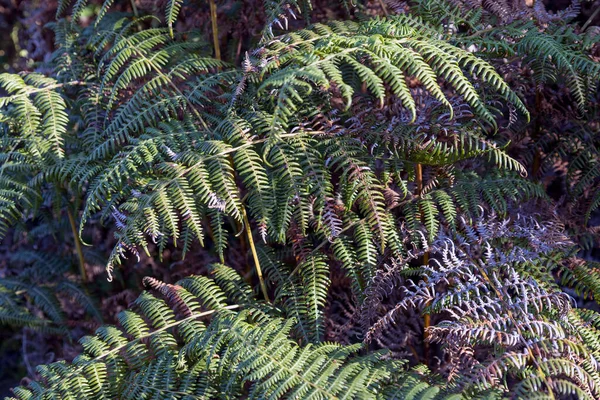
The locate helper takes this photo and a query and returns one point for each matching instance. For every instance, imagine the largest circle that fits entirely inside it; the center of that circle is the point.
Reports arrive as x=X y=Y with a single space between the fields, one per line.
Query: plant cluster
x=401 y=203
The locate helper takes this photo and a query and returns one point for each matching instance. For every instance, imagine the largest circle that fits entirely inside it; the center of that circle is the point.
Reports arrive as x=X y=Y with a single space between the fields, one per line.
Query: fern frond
x=491 y=302
x=321 y=54
x=247 y=349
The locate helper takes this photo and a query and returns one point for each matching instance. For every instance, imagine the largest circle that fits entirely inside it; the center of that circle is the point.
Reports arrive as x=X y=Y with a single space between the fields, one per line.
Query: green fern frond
x=567 y=59
x=39 y=111
x=235 y=350
x=321 y=54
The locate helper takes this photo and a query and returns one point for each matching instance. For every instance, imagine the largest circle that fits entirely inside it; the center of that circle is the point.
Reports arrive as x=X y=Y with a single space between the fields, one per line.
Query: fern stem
x=215 y=28
x=590 y=19
x=426 y=317
x=419 y=178
x=80 y=258
x=263 y=286
x=238 y=51
x=30 y=369
x=537 y=158
x=426 y=320
x=134 y=8
x=384 y=8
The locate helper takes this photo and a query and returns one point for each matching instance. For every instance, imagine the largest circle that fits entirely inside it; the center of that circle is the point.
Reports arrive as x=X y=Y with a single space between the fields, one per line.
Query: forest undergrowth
x=294 y=199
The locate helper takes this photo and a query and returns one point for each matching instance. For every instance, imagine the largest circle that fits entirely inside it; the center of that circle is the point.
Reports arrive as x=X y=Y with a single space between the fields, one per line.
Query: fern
x=324 y=164
x=552 y=53
x=33 y=135
x=489 y=306
x=251 y=346
x=279 y=13
x=36 y=297
x=138 y=171
x=394 y=50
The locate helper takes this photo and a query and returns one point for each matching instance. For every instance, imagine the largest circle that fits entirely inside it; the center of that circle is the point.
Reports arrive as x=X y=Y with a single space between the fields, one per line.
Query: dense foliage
x=402 y=203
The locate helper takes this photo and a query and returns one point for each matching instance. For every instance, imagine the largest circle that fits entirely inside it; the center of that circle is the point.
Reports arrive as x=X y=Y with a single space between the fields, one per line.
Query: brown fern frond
x=170 y=293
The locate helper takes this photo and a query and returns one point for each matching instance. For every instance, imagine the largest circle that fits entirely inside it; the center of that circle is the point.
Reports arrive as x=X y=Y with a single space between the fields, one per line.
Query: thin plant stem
x=134 y=9
x=419 y=178
x=263 y=286
x=80 y=257
x=426 y=317
x=590 y=19
x=215 y=28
